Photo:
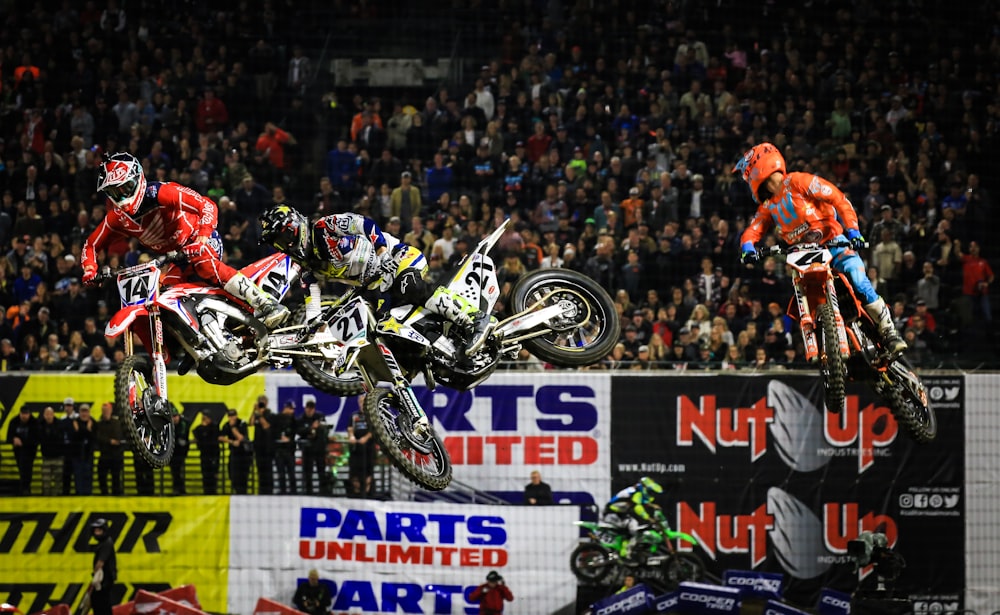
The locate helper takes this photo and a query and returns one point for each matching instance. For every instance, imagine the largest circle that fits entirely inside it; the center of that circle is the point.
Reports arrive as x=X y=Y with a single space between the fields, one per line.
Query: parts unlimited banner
x=768 y=480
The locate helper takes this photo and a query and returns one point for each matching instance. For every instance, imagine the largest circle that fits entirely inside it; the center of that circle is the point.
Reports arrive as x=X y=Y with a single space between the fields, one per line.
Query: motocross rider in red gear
x=166 y=216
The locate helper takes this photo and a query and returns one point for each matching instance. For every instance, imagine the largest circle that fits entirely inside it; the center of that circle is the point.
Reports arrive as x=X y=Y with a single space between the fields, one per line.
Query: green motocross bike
x=603 y=560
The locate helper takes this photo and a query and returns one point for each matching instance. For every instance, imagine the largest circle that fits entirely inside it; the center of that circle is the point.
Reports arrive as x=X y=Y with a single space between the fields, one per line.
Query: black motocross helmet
x=285 y=229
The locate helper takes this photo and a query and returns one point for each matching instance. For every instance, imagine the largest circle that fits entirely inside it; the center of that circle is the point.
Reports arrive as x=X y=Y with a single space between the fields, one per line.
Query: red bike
x=840 y=336
x=206 y=328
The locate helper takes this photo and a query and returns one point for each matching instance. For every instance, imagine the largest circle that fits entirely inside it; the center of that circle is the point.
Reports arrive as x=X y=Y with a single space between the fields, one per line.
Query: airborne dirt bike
x=560 y=316
x=216 y=334
x=653 y=560
x=842 y=338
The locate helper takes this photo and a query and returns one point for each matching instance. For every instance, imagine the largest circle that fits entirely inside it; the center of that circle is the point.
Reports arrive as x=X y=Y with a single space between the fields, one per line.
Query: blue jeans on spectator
x=83 y=474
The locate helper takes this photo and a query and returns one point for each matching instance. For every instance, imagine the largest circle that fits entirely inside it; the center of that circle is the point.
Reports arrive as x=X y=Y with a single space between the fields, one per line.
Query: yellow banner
x=46 y=549
x=192 y=395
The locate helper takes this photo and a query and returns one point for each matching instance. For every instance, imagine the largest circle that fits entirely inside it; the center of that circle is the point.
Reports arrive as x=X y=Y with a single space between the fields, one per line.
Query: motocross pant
x=409 y=285
x=206 y=264
x=847 y=261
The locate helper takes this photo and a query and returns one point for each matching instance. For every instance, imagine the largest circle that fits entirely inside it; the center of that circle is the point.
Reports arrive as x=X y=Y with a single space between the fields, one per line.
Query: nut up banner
x=767 y=480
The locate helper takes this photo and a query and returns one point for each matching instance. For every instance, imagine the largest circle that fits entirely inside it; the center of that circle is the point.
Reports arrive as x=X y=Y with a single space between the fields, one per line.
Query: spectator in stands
x=23 y=435
x=312 y=597
x=178 y=461
x=313 y=434
x=928 y=287
x=977 y=276
x=235 y=433
x=360 y=439
x=537 y=492
x=285 y=429
x=492 y=594
x=206 y=436
x=53 y=440
x=80 y=451
x=110 y=444
x=263 y=421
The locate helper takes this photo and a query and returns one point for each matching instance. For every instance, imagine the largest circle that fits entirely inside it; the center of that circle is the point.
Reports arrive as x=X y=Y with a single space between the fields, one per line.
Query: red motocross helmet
x=123 y=181
x=762 y=161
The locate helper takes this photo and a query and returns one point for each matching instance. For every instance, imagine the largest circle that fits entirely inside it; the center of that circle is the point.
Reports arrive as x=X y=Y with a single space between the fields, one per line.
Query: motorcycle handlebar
x=779 y=249
x=107 y=274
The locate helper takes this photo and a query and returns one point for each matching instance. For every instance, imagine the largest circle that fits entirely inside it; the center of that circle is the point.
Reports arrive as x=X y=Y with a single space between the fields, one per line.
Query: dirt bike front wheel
x=591 y=563
x=834 y=369
x=588 y=327
x=909 y=402
x=145 y=415
x=681 y=567
x=431 y=468
x=320 y=373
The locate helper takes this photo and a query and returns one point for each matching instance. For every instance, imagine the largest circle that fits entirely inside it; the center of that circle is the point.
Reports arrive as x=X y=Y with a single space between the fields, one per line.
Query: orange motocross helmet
x=759 y=163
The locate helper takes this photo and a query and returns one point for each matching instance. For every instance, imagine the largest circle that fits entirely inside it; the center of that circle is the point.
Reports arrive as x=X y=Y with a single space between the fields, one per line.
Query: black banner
x=767 y=480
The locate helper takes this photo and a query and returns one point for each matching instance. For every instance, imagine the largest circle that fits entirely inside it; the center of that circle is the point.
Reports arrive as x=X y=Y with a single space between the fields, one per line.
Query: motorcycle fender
x=123 y=319
x=274 y=274
x=529 y=321
x=399 y=325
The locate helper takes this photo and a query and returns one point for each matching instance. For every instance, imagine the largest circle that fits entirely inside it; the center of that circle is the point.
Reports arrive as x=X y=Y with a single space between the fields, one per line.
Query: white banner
x=558 y=423
x=399 y=557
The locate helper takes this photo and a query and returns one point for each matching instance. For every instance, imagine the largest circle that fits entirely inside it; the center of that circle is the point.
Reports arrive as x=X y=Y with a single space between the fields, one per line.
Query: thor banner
x=767 y=480
x=46 y=548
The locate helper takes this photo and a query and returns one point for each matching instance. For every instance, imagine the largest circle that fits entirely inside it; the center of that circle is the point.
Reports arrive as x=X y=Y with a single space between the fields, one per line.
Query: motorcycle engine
x=232 y=339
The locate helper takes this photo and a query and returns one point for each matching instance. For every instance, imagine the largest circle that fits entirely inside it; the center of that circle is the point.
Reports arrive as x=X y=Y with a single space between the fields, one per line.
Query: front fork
x=159 y=365
x=404 y=392
x=808 y=325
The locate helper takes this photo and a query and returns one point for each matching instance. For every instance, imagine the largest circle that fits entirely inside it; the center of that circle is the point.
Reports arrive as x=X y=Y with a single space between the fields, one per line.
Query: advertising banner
x=767 y=480
x=191 y=394
x=399 y=557
x=500 y=431
x=47 y=552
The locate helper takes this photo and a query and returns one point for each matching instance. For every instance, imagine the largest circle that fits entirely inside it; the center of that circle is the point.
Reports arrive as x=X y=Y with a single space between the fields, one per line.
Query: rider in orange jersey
x=805 y=208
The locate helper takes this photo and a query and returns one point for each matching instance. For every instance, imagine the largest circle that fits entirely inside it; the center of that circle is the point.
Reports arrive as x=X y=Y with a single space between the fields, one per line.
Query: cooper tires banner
x=767 y=480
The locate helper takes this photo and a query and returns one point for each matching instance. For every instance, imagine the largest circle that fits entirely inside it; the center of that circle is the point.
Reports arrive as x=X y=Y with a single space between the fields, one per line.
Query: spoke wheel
x=424 y=461
x=834 y=369
x=588 y=327
x=321 y=373
x=145 y=416
x=909 y=403
x=590 y=562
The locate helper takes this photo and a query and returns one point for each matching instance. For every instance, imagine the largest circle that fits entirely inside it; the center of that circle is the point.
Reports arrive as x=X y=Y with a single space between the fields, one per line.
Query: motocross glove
x=193 y=251
x=748 y=254
x=857 y=240
x=89 y=276
x=388 y=266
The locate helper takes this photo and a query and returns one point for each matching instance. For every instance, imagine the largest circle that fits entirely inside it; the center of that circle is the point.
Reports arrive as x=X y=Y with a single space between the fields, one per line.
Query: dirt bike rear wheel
x=591 y=563
x=321 y=374
x=834 y=369
x=681 y=567
x=590 y=327
x=151 y=433
x=432 y=470
x=909 y=403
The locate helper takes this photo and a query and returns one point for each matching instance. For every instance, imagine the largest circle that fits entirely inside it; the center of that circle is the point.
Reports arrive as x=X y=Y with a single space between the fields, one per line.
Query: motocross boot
x=269 y=311
x=891 y=339
x=459 y=310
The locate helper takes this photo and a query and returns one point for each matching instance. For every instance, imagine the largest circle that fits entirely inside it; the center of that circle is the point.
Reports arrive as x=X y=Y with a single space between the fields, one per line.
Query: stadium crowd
x=606 y=132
